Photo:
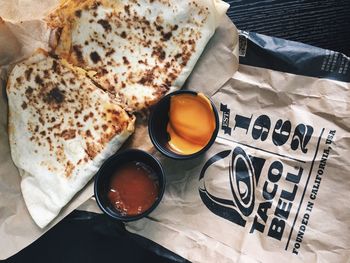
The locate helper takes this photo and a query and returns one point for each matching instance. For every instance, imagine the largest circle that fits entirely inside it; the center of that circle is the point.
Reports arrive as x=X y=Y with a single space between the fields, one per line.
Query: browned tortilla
x=137 y=50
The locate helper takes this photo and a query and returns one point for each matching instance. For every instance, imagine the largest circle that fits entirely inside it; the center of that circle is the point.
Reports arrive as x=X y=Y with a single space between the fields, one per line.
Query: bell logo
x=244 y=173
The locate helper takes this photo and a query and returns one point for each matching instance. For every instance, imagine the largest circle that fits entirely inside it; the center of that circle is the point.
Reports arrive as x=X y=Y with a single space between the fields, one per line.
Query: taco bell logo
x=242 y=180
x=260 y=186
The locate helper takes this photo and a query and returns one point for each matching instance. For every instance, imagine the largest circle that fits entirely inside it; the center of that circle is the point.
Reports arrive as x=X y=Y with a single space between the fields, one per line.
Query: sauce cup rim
x=168 y=152
x=100 y=176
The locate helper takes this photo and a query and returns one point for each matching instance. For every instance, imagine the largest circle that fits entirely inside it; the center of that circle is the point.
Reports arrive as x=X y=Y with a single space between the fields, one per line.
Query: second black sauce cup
x=103 y=178
x=157 y=127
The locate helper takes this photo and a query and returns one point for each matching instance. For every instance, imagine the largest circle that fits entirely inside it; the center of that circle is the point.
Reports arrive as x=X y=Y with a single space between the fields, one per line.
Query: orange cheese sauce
x=191 y=123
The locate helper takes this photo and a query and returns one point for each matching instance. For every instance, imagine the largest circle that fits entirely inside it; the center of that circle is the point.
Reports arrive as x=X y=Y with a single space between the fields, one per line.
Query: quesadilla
x=138 y=50
x=61 y=128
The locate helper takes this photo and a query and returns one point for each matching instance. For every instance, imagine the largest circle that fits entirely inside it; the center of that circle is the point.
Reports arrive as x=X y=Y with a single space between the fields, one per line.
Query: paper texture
x=275 y=185
x=21 y=32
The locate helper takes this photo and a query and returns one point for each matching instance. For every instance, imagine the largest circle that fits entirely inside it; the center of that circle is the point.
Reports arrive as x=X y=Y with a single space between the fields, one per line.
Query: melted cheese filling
x=191 y=123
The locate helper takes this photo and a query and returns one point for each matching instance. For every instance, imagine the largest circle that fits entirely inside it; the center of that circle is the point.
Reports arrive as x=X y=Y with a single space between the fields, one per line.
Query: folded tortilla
x=61 y=129
x=140 y=49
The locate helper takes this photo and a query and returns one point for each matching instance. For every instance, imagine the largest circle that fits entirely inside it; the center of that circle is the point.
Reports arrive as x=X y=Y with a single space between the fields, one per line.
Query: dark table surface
x=87 y=237
x=324 y=23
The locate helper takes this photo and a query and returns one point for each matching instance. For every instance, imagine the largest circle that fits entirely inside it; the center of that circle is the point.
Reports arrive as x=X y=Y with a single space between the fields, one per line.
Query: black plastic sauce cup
x=103 y=178
x=157 y=127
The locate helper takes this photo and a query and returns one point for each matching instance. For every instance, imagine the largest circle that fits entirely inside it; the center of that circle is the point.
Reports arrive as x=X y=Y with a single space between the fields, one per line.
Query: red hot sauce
x=133 y=188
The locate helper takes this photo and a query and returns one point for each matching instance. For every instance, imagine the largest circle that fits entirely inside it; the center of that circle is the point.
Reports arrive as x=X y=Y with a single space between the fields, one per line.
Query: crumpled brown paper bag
x=275 y=186
x=22 y=30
